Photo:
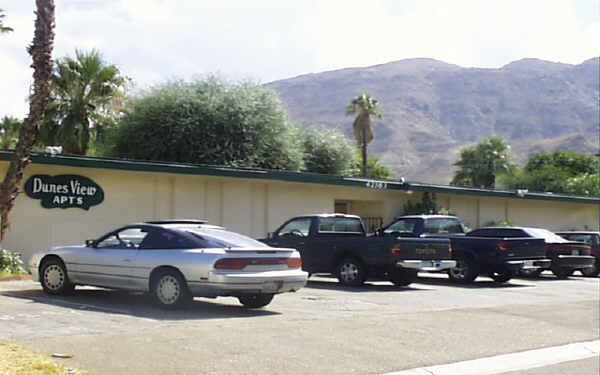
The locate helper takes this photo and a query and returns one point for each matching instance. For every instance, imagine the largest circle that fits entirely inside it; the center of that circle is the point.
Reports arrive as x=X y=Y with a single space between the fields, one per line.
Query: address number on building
x=376 y=185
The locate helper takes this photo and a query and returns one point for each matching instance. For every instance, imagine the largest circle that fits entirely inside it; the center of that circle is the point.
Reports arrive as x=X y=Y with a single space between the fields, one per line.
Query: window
x=163 y=239
x=545 y=234
x=442 y=225
x=339 y=225
x=126 y=238
x=402 y=226
x=298 y=227
x=587 y=238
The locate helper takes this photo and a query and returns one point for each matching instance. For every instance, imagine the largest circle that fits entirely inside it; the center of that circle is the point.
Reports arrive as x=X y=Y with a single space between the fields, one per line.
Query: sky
x=152 y=41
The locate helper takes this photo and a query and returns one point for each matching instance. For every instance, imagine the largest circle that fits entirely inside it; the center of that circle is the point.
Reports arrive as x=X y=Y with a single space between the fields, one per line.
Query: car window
x=126 y=238
x=402 y=226
x=218 y=237
x=339 y=225
x=484 y=233
x=587 y=238
x=442 y=225
x=166 y=239
x=296 y=227
x=545 y=234
x=512 y=233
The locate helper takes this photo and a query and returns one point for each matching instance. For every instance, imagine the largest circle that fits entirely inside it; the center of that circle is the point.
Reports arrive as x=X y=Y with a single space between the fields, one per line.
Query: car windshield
x=222 y=238
x=545 y=234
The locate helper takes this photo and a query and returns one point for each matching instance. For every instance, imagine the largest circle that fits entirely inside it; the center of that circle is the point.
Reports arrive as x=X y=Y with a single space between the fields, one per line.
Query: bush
x=10 y=262
x=209 y=121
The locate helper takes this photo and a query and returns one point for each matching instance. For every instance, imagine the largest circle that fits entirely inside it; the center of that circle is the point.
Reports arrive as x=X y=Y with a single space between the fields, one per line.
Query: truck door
x=293 y=234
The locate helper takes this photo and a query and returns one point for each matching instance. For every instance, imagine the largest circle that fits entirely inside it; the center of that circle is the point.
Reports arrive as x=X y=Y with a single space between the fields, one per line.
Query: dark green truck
x=338 y=244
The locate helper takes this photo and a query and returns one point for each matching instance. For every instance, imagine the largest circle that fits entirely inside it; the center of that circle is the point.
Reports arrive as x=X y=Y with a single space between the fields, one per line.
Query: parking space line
x=511 y=362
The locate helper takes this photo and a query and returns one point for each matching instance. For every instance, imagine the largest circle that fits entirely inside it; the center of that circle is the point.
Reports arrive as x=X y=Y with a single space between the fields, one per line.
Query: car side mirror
x=90 y=243
x=379 y=231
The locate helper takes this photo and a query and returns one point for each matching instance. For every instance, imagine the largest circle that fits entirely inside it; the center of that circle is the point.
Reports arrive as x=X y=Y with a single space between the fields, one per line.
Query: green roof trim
x=301 y=177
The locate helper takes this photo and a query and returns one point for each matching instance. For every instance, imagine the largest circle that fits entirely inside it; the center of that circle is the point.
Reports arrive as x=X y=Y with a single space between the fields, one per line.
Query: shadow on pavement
x=141 y=306
x=479 y=283
x=366 y=287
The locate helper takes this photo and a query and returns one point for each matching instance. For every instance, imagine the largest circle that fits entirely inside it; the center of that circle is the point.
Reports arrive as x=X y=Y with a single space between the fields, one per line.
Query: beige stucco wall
x=250 y=206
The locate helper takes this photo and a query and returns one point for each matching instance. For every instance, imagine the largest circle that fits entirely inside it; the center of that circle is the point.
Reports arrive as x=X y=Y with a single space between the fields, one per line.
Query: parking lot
x=322 y=329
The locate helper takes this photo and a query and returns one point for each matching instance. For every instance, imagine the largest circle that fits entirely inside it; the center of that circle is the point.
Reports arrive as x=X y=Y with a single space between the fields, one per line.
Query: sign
x=64 y=191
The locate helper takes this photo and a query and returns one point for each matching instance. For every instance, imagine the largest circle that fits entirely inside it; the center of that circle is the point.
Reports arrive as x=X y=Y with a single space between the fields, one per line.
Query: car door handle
x=301 y=243
x=126 y=260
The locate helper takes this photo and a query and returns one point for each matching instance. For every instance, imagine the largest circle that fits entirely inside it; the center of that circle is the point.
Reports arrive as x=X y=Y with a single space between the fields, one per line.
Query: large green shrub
x=209 y=121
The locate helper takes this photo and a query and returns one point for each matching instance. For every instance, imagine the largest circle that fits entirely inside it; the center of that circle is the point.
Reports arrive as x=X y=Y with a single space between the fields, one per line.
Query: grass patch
x=15 y=360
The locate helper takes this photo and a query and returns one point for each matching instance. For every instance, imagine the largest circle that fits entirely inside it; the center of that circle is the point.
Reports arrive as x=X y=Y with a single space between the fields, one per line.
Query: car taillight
x=396 y=250
x=240 y=263
x=293 y=262
x=231 y=263
x=502 y=246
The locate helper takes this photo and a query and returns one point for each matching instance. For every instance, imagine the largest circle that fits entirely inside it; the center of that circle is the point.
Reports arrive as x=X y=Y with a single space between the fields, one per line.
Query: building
x=68 y=199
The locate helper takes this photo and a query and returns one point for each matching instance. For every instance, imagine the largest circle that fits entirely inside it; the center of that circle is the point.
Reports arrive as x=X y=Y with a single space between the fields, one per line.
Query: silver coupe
x=175 y=261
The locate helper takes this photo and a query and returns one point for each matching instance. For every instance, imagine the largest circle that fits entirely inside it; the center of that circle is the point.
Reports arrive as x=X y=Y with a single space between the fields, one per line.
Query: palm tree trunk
x=41 y=53
x=363 y=171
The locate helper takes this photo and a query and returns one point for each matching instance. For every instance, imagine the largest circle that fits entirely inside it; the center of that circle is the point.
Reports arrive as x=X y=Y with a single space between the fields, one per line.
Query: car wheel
x=403 y=277
x=350 y=272
x=590 y=271
x=501 y=277
x=561 y=273
x=170 y=290
x=464 y=272
x=54 y=278
x=531 y=272
x=255 y=301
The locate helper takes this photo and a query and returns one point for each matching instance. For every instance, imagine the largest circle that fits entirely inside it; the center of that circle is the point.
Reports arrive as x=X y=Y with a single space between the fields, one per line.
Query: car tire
x=54 y=278
x=592 y=271
x=535 y=272
x=170 y=291
x=501 y=277
x=465 y=271
x=350 y=272
x=255 y=301
x=403 y=277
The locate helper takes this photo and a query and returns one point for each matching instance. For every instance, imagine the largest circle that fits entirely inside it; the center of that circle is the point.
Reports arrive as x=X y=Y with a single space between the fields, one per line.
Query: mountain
x=432 y=109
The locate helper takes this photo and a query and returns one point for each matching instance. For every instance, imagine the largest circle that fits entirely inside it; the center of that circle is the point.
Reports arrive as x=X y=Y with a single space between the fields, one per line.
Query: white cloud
x=154 y=40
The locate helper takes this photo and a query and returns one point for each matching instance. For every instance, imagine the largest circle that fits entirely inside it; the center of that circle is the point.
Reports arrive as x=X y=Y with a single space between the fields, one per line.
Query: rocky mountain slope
x=433 y=109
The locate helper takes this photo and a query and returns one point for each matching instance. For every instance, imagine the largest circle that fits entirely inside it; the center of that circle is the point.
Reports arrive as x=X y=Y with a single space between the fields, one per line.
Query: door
x=111 y=261
x=294 y=234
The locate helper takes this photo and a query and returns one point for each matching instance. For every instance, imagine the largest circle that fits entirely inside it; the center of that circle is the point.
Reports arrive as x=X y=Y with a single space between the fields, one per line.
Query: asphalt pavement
x=322 y=329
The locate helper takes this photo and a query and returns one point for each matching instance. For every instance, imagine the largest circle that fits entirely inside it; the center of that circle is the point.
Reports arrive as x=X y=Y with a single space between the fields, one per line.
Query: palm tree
x=86 y=91
x=3 y=29
x=478 y=165
x=364 y=106
x=41 y=53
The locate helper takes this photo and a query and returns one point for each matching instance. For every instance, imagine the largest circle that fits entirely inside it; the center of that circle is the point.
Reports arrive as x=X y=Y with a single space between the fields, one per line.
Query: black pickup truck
x=475 y=253
x=338 y=244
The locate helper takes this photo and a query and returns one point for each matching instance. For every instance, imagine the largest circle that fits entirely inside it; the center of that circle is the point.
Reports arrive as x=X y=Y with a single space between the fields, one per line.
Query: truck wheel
x=403 y=277
x=561 y=273
x=465 y=270
x=350 y=272
x=501 y=277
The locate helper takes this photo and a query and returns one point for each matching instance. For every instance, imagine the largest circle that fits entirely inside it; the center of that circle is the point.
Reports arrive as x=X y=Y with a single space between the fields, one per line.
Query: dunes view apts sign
x=64 y=191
